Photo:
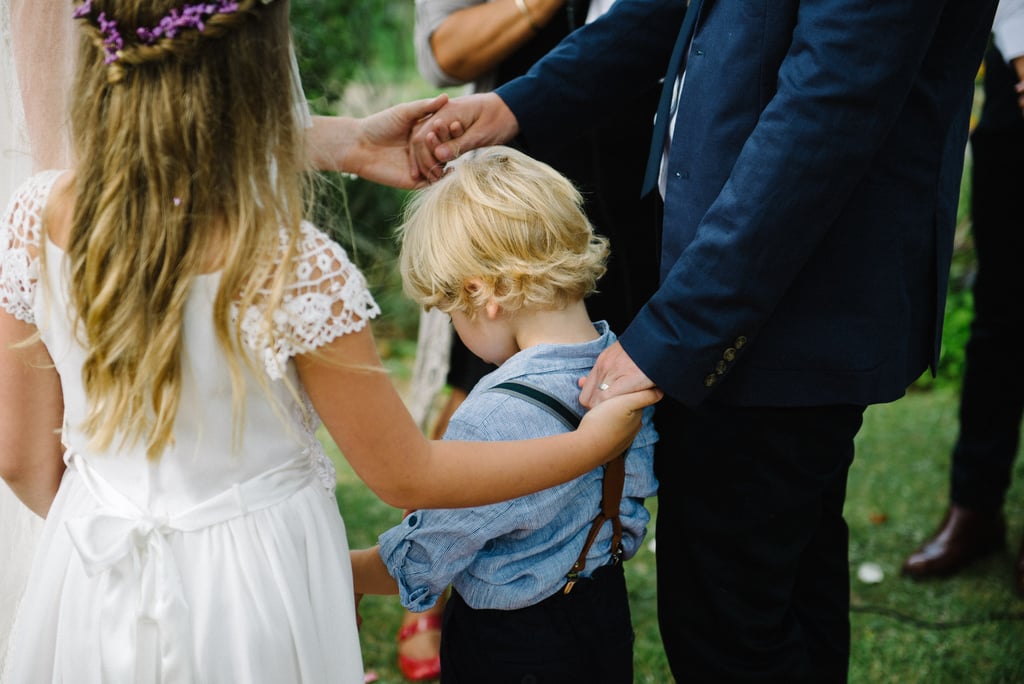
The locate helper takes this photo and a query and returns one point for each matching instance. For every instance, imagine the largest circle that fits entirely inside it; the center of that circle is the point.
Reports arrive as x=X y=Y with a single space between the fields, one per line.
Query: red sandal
x=420 y=669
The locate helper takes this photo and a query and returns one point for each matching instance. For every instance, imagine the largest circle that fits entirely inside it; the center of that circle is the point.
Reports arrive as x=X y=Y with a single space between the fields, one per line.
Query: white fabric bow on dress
x=129 y=548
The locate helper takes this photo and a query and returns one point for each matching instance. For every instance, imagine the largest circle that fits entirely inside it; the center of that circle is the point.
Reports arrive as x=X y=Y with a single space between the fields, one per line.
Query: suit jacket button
x=740 y=341
x=720 y=367
x=729 y=354
x=710 y=380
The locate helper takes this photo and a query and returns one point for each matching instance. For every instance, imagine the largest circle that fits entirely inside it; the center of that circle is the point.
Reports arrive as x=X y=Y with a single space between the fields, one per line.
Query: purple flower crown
x=189 y=16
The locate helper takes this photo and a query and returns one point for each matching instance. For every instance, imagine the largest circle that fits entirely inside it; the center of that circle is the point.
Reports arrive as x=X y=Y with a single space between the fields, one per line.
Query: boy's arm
x=369 y=574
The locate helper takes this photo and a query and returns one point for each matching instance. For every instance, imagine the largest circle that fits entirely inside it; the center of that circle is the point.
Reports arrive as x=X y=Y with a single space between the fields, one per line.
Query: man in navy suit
x=812 y=159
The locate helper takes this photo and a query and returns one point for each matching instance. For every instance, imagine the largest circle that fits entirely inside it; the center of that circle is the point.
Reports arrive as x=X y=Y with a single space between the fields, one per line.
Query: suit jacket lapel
x=665 y=102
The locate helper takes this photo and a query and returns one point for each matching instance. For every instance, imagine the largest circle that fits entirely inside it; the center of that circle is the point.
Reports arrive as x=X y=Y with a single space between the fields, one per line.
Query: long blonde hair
x=189 y=159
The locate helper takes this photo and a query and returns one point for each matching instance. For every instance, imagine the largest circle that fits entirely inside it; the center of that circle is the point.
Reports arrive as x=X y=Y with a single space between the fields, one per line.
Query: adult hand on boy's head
x=374 y=147
x=386 y=135
x=614 y=374
x=464 y=124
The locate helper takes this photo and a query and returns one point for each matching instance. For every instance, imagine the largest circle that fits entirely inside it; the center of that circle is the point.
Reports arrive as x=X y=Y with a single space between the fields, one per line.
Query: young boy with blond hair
x=502 y=245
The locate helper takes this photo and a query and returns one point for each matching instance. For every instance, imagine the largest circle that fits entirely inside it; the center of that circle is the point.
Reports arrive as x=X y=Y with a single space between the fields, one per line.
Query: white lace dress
x=211 y=564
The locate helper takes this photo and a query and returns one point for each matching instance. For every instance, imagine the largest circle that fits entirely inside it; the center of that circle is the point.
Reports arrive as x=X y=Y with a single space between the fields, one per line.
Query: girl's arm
x=373 y=147
x=367 y=419
x=369 y=574
x=31 y=414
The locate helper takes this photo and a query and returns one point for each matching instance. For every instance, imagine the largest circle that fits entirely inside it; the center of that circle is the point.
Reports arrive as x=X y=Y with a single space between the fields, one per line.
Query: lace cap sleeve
x=20 y=234
x=329 y=298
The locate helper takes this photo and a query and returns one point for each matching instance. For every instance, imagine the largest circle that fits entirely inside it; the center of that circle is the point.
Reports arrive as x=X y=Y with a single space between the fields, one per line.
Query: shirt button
x=729 y=354
x=740 y=341
x=413 y=520
x=720 y=367
x=710 y=380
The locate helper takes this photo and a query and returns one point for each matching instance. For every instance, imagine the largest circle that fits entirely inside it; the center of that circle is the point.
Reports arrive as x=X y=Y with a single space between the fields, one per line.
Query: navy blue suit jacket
x=812 y=187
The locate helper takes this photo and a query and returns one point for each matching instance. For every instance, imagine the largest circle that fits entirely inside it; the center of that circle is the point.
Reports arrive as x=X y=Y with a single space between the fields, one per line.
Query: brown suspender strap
x=611 y=497
x=611 y=486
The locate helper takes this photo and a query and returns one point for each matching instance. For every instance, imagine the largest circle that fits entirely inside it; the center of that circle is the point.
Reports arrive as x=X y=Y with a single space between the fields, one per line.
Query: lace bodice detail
x=19 y=245
x=328 y=298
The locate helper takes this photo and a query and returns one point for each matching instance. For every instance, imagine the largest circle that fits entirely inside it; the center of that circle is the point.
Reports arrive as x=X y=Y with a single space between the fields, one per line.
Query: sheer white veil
x=18 y=526
x=39 y=39
x=47 y=34
x=15 y=160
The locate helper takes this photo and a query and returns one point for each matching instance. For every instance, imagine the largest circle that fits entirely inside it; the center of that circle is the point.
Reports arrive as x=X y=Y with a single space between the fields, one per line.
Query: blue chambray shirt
x=516 y=553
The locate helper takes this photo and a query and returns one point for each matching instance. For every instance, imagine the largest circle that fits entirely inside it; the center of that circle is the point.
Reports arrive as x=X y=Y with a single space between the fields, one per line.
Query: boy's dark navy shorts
x=583 y=636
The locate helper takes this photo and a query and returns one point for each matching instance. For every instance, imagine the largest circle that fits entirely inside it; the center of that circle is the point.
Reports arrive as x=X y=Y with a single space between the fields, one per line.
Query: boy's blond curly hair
x=508 y=220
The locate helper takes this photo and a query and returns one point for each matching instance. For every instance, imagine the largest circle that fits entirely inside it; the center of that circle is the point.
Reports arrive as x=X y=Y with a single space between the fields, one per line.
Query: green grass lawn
x=969 y=629
x=966 y=629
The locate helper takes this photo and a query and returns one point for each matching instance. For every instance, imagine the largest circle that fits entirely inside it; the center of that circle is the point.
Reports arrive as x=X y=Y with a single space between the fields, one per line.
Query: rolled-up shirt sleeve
x=429 y=15
x=1008 y=29
x=503 y=556
x=516 y=553
x=431 y=547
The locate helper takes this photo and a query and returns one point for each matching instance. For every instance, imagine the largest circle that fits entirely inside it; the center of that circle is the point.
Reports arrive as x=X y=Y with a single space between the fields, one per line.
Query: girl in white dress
x=164 y=306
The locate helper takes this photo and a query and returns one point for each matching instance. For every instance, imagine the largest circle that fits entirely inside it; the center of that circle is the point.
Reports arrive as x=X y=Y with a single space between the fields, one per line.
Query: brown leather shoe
x=964 y=536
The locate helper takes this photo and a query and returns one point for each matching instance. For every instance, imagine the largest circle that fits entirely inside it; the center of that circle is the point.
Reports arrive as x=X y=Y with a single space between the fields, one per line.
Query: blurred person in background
x=992 y=395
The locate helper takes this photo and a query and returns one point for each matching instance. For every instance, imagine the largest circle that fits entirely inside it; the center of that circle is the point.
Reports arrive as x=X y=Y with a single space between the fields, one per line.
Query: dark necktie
x=665 y=103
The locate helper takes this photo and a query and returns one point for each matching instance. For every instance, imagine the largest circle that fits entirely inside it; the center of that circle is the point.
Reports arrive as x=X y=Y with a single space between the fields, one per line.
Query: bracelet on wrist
x=525 y=11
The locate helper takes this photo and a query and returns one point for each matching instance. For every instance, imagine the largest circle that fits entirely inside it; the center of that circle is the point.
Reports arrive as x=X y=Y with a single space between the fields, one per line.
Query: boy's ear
x=473 y=285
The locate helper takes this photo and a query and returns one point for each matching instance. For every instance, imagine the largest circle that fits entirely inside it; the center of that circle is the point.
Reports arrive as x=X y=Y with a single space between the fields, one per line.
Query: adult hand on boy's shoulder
x=613 y=374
